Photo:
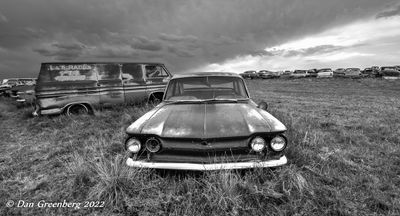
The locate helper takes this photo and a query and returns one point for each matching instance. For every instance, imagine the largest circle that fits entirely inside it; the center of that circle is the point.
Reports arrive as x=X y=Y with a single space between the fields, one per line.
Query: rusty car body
x=299 y=73
x=82 y=87
x=352 y=72
x=390 y=72
x=206 y=121
x=266 y=74
x=7 y=86
x=325 y=73
x=250 y=74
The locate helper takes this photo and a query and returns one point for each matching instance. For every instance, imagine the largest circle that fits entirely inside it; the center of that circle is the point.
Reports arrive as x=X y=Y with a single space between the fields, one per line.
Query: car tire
x=154 y=100
x=77 y=109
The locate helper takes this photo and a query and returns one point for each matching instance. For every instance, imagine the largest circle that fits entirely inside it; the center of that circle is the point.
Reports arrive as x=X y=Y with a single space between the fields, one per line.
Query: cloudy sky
x=200 y=35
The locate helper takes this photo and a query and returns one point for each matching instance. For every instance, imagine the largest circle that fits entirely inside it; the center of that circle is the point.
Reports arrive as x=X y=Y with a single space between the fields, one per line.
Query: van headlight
x=278 y=143
x=133 y=145
x=257 y=144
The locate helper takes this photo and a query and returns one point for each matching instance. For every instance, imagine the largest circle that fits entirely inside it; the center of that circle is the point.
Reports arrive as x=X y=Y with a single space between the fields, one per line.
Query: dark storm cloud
x=178 y=38
x=389 y=13
x=180 y=52
x=144 y=43
x=69 y=51
x=183 y=33
x=112 y=52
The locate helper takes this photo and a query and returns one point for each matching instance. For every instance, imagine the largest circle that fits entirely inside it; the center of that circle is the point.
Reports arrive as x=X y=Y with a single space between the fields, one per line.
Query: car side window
x=132 y=74
x=155 y=71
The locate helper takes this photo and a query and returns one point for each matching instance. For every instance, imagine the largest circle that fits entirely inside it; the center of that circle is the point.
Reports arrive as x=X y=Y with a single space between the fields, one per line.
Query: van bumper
x=203 y=167
x=54 y=111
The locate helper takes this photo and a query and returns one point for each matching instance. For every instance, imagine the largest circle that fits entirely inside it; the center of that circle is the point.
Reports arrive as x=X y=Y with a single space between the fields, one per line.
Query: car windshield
x=352 y=69
x=206 y=88
x=325 y=70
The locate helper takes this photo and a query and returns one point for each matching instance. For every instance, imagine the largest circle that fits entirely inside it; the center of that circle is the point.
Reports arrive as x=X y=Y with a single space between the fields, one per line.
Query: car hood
x=205 y=120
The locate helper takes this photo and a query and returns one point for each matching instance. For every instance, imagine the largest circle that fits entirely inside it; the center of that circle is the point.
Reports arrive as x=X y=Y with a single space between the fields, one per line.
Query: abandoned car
x=265 y=74
x=325 y=73
x=75 y=88
x=206 y=121
x=250 y=74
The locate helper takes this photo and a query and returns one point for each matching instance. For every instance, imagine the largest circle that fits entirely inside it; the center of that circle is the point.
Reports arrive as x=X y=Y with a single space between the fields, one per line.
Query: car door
x=134 y=83
x=156 y=76
x=110 y=84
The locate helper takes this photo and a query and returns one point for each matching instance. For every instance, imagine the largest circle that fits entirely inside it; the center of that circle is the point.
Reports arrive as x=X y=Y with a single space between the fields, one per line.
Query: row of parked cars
x=389 y=72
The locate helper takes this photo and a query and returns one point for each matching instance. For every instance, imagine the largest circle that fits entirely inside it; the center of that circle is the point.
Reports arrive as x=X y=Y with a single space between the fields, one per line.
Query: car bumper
x=203 y=167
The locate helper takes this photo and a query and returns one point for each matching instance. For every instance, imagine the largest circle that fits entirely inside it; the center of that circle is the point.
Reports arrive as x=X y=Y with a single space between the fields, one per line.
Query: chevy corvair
x=206 y=121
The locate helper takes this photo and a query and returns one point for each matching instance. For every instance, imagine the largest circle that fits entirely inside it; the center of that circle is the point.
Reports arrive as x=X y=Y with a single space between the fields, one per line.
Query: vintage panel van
x=74 y=88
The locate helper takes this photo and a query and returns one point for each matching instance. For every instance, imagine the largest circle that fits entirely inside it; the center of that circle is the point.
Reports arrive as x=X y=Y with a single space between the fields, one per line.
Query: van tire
x=155 y=99
x=77 y=109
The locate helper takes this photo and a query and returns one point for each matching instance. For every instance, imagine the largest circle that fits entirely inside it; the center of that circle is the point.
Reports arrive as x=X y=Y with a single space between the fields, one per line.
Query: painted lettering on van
x=70 y=76
x=70 y=67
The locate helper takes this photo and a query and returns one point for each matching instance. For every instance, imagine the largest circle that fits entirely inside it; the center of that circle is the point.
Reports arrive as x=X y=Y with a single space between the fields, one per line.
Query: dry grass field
x=344 y=159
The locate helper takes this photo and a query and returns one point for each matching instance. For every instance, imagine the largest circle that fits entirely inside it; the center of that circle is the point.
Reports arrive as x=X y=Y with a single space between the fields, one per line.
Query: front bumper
x=203 y=167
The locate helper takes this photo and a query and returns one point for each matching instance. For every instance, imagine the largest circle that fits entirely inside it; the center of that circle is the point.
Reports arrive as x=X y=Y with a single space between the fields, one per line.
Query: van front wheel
x=77 y=109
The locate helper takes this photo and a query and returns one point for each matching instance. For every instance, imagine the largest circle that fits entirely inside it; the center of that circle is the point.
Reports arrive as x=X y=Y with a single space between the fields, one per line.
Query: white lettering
x=70 y=67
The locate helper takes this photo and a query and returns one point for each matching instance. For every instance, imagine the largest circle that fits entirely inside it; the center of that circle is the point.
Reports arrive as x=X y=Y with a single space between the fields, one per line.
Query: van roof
x=102 y=63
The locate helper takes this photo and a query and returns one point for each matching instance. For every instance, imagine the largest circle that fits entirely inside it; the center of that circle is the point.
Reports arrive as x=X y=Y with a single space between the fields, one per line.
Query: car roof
x=203 y=74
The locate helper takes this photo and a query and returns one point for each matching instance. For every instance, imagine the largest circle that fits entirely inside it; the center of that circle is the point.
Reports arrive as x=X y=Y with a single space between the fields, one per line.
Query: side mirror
x=263 y=105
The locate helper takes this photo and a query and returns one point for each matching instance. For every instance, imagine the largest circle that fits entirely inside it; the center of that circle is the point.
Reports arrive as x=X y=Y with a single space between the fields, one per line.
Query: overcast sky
x=194 y=35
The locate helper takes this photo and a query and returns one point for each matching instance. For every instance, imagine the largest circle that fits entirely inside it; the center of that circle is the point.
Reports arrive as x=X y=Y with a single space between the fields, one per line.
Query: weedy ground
x=344 y=159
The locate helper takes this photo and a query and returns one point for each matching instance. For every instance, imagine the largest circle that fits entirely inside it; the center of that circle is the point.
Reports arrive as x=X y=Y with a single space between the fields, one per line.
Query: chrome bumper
x=217 y=166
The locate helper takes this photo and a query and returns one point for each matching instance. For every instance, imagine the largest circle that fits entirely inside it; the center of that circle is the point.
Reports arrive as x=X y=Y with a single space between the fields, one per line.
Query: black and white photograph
x=200 y=107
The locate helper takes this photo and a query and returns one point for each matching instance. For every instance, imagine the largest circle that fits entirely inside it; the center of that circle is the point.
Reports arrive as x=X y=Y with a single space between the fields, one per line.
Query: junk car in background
x=207 y=121
x=339 y=72
x=312 y=73
x=299 y=74
x=390 y=72
x=249 y=75
x=9 y=86
x=74 y=88
x=352 y=72
x=265 y=74
x=325 y=73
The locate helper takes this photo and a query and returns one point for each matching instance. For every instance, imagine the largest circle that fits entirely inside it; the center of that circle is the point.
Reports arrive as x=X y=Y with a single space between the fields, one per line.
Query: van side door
x=157 y=77
x=109 y=84
x=133 y=83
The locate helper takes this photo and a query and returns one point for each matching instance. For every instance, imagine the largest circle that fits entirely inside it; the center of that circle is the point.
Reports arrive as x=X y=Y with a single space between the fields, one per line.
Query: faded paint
x=206 y=120
x=97 y=84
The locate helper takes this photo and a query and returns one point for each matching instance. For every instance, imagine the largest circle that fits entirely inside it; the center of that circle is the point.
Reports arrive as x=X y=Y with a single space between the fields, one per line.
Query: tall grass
x=343 y=159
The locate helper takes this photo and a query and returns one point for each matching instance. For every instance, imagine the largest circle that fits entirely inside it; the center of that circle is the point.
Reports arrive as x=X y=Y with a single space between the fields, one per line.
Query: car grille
x=204 y=157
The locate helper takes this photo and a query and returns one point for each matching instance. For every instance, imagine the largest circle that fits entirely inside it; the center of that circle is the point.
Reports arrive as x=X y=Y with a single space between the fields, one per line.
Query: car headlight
x=153 y=145
x=133 y=145
x=278 y=143
x=257 y=144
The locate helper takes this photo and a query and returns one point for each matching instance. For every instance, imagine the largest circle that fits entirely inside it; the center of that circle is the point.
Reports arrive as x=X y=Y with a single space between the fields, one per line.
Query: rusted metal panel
x=207 y=121
x=97 y=84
